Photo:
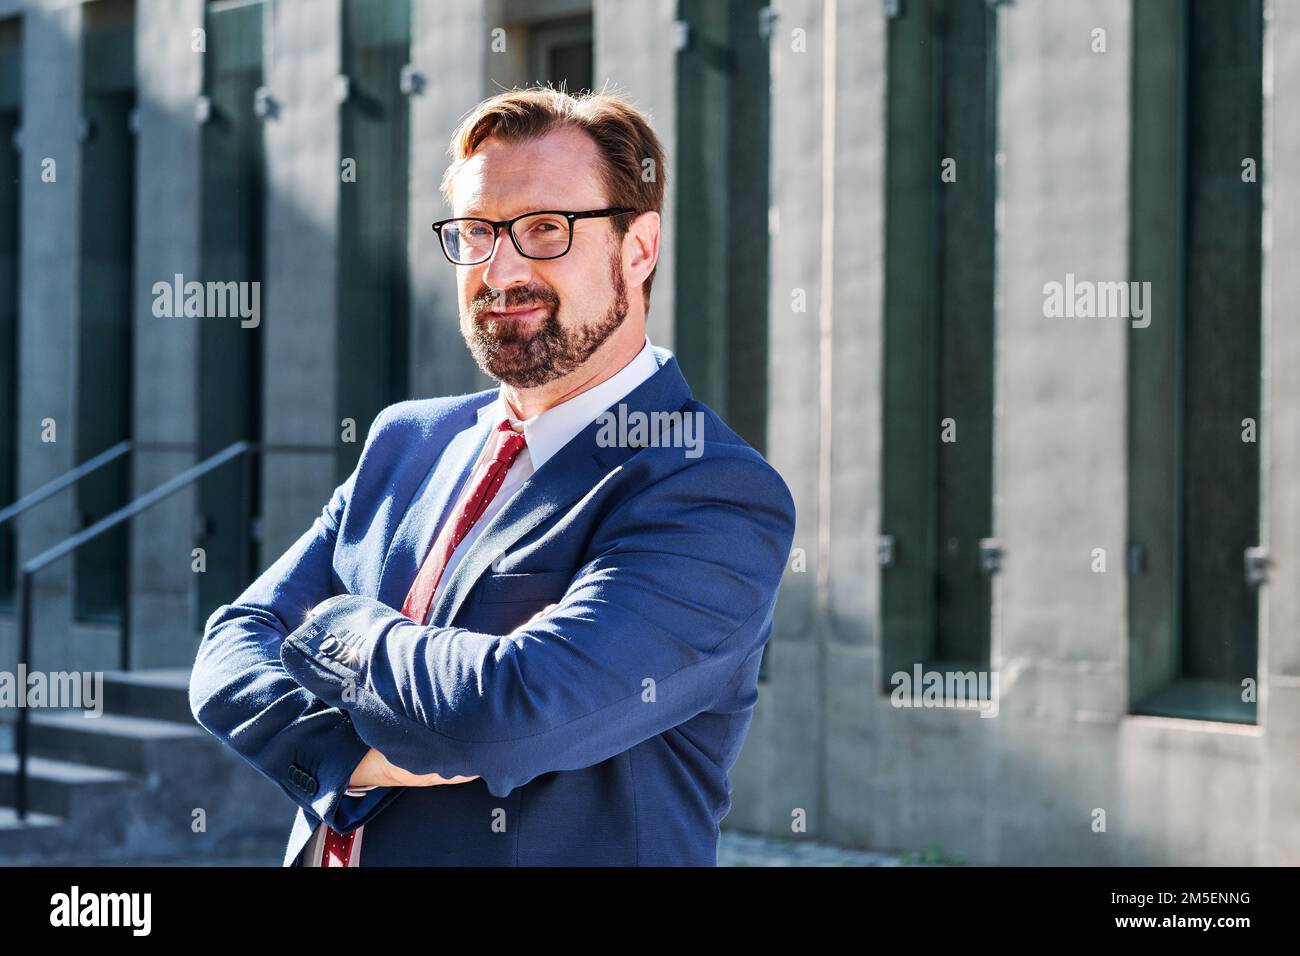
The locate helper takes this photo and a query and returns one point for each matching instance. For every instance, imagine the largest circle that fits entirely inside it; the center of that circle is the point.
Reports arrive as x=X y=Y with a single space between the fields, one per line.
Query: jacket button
x=302 y=779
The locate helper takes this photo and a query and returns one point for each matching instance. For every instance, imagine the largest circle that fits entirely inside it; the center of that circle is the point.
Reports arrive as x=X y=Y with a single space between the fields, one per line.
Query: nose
x=507 y=267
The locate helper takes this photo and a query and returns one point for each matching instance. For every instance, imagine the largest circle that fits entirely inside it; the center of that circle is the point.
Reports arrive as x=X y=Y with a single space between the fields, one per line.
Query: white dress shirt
x=544 y=435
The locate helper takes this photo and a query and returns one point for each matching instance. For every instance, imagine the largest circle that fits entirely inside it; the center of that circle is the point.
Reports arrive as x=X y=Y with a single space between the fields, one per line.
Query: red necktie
x=488 y=476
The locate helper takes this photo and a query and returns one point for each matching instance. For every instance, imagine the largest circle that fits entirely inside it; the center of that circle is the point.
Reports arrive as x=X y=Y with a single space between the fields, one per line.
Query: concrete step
x=38 y=838
x=128 y=785
x=133 y=744
x=160 y=694
x=64 y=788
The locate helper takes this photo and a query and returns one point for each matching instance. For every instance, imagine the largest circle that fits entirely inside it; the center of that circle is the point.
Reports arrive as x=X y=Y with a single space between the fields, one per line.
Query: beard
x=517 y=356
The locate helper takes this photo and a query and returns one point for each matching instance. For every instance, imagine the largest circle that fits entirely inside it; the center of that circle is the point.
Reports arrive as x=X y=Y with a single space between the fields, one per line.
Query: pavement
x=737 y=849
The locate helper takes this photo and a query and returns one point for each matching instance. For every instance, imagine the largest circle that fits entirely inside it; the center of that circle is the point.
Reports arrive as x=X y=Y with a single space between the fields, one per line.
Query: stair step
x=56 y=787
x=160 y=693
x=36 y=840
x=115 y=741
x=9 y=820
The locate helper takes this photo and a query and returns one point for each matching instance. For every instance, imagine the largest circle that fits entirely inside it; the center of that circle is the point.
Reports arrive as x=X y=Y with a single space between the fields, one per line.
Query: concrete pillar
x=48 y=310
x=636 y=58
x=303 y=43
x=855 y=713
x=781 y=770
x=449 y=47
x=9 y=8
x=1279 y=705
x=1059 y=630
x=165 y=404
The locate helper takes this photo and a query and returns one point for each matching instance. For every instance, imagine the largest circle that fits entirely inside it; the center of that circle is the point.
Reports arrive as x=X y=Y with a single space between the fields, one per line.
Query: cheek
x=469 y=283
x=466 y=281
x=577 y=285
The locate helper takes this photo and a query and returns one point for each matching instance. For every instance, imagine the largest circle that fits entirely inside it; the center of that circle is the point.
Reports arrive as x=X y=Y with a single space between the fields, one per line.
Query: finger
x=433 y=780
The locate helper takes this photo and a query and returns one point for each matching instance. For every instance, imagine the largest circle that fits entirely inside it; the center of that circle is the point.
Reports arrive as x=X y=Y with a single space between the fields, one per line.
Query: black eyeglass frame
x=509 y=225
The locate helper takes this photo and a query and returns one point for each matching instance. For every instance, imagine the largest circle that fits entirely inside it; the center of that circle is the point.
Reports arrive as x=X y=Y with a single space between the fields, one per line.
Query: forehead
x=560 y=170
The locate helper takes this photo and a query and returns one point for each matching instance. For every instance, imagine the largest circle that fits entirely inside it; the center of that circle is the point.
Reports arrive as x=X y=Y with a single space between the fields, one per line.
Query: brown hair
x=632 y=157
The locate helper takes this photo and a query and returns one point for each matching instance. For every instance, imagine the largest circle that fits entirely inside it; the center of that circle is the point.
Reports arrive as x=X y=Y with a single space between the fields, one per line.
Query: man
x=526 y=630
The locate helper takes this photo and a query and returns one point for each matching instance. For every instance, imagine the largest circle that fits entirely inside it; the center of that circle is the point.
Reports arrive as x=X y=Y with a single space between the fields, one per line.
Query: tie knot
x=508 y=442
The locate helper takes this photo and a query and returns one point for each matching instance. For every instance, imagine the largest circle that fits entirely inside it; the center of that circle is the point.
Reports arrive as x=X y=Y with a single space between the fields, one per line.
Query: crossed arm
x=376 y=770
x=676 y=597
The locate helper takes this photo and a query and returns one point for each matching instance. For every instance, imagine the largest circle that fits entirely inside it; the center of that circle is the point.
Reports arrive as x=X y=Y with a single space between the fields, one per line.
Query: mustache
x=485 y=302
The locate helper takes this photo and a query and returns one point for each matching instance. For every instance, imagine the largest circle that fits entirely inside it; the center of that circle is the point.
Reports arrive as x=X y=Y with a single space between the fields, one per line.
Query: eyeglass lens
x=542 y=236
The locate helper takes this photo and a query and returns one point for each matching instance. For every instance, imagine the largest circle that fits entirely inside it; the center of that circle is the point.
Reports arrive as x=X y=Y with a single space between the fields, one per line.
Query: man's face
x=530 y=321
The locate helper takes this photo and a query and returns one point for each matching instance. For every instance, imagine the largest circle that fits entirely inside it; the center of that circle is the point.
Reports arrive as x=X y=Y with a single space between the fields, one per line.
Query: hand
x=534 y=617
x=375 y=770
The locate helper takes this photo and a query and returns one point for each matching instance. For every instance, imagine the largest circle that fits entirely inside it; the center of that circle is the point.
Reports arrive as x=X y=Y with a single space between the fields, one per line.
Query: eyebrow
x=474 y=212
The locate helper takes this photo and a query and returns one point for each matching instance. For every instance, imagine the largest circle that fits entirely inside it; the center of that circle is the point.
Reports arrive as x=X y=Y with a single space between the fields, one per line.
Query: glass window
x=560 y=53
x=373 y=290
x=1194 y=371
x=542 y=46
x=231 y=243
x=10 y=120
x=938 y=365
x=722 y=196
x=720 y=190
x=104 y=391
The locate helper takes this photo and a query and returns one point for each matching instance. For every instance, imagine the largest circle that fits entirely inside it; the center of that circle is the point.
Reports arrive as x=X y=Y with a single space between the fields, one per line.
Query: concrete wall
x=1024 y=787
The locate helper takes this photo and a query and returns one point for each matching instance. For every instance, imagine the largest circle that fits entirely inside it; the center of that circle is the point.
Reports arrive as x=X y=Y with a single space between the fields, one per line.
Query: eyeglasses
x=546 y=234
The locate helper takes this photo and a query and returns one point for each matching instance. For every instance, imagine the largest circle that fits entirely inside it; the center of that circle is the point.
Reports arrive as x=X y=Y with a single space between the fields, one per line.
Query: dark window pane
x=1195 y=371
x=10 y=120
x=572 y=63
x=560 y=53
x=230 y=394
x=721 y=187
x=373 y=287
x=107 y=277
x=938 y=404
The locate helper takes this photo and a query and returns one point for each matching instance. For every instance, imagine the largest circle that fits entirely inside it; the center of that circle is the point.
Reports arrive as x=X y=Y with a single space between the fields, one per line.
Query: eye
x=546 y=227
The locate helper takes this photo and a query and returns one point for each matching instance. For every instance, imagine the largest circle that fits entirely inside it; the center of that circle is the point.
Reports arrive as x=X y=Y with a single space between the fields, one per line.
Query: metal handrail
x=65 y=480
x=74 y=475
x=70 y=544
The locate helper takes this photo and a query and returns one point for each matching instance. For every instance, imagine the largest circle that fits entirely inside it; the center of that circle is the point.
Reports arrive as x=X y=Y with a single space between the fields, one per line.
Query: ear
x=641 y=244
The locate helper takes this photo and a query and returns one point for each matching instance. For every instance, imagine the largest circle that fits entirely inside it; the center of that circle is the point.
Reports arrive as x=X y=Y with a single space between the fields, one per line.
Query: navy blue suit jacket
x=601 y=733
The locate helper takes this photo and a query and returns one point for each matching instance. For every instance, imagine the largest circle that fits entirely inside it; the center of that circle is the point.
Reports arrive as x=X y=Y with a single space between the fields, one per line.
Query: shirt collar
x=549 y=431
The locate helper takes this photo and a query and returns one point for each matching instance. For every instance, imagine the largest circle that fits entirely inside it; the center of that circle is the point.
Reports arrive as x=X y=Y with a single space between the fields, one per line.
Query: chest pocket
x=502 y=602
x=534 y=587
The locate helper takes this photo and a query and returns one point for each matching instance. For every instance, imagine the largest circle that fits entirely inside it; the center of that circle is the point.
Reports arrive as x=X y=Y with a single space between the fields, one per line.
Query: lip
x=516 y=313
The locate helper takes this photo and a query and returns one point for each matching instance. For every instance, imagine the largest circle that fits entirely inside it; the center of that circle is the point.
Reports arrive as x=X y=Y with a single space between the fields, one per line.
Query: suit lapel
x=568 y=475
x=436 y=493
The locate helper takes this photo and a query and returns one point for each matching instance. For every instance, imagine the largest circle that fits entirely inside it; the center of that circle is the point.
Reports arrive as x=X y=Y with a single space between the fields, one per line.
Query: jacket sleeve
x=240 y=692
x=677 y=593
